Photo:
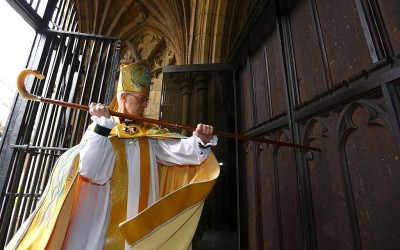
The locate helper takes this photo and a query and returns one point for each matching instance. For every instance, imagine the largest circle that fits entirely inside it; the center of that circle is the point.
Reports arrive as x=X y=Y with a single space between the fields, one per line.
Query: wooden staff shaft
x=180 y=126
x=24 y=93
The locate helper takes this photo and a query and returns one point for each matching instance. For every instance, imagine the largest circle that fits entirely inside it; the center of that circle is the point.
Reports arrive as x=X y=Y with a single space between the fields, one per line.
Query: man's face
x=133 y=103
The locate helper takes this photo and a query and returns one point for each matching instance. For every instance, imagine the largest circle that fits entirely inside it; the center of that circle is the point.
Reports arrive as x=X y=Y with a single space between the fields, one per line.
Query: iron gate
x=79 y=68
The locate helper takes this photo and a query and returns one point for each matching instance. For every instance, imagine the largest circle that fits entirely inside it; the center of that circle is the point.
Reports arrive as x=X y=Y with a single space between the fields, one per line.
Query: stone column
x=202 y=80
x=186 y=85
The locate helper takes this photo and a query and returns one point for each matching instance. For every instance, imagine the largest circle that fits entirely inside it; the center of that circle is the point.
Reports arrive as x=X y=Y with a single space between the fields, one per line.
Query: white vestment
x=89 y=221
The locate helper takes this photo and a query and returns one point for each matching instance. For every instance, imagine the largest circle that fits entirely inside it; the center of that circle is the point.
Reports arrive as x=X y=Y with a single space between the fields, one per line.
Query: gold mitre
x=135 y=77
x=132 y=77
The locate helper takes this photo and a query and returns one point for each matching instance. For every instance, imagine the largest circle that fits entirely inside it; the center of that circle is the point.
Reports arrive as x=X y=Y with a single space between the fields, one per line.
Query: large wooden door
x=324 y=74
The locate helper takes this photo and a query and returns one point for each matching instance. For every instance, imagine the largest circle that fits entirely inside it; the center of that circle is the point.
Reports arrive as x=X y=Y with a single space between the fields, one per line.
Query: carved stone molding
x=164 y=57
x=145 y=43
x=148 y=45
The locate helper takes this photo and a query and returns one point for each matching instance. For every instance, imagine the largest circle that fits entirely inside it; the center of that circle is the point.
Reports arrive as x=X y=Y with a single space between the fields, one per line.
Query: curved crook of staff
x=25 y=94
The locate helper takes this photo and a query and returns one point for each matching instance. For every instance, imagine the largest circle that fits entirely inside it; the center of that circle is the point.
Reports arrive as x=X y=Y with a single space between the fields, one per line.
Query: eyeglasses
x=142 y=99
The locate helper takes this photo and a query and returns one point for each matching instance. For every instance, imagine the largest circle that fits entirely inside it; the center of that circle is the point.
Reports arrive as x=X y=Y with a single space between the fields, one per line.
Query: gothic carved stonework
x=164 y=57
x=128 y=56
x=146 y=43
x=140 y=48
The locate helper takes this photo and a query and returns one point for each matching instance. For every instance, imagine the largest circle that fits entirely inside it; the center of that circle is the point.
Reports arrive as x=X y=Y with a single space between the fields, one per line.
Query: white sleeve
x=97 y=157
x=182 y=151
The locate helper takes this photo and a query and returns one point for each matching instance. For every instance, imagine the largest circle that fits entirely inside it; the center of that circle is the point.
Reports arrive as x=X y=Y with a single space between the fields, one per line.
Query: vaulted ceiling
x=170 y=31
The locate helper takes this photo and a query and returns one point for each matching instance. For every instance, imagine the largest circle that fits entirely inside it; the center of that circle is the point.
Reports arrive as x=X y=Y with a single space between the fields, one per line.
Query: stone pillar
x=186 y=85
x=202 y=80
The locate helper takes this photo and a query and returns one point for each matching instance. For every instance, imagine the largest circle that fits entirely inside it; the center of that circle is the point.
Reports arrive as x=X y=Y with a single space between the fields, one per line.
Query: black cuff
x=102 y=130
x=203 y=147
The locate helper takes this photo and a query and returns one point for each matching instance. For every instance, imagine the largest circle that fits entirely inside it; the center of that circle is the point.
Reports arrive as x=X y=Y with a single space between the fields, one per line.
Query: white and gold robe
x=106 y=193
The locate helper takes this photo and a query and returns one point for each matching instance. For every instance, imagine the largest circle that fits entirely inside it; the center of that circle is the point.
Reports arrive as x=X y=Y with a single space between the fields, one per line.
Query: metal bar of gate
x=16 y=194
x=13 y=190
x=63 y=91
x=25 y=183
x=102 y=81
x=59 y=14
x=91 y=58
x=72 y=86
x=75 y=133
x=28 y=204
x=114 y=65
x=48 y=92
x=64 y=59
x=16 y=157
x=72 y=55
x=96 y=70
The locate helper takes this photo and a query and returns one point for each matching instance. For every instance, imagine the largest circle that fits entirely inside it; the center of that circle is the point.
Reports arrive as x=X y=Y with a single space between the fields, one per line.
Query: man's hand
x=204 y=132
x=99 y=110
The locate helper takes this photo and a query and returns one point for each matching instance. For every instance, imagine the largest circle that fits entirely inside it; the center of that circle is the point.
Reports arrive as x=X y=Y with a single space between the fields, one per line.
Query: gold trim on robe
x=172 y=220
x=118 y=197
